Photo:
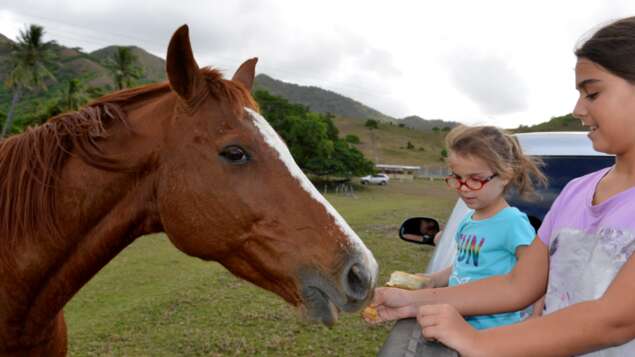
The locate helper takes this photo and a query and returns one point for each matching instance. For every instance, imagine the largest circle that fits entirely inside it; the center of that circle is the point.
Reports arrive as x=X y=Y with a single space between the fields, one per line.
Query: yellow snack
x=403 y=280
x=370 y=313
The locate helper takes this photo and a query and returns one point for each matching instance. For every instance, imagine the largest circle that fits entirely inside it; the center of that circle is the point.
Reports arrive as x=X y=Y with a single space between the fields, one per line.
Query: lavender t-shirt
x=588 y=245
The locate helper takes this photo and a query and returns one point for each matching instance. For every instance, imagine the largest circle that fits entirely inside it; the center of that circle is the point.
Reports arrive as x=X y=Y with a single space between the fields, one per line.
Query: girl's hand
x=437 y=237
x=391 y=304
x=444 y=324
x=430 y=278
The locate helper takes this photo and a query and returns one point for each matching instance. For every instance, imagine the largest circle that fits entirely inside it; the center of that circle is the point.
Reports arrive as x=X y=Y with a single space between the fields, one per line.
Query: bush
x=372 y=124
x=353 y=139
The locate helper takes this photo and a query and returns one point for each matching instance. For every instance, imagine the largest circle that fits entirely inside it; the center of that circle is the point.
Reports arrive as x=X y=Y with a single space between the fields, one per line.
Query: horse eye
x=235 y=154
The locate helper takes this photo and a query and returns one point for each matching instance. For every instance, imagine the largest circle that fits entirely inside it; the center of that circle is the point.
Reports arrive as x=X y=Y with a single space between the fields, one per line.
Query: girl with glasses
x=485 y=163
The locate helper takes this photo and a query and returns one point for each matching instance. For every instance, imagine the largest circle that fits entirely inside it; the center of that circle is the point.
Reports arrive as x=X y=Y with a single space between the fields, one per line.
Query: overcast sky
x=497 y=62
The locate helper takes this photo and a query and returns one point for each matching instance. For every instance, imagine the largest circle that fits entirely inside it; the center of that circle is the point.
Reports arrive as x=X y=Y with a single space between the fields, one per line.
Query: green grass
x=152 y=300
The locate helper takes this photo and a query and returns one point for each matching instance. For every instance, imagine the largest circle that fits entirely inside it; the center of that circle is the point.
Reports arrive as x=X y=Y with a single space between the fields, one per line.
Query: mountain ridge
x=91 y=67
x=318 y=99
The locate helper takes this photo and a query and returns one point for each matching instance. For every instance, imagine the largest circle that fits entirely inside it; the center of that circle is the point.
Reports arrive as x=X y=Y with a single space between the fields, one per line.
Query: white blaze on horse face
x=272 y=138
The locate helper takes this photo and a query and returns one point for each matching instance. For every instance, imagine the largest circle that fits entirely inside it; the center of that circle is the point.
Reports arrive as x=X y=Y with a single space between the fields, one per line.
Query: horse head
x=228 y=190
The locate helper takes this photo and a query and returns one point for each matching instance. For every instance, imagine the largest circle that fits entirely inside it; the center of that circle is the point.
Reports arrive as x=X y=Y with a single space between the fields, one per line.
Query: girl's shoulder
x=511 y=213
x=513 y=218
x=507 y=215
x=581 y=186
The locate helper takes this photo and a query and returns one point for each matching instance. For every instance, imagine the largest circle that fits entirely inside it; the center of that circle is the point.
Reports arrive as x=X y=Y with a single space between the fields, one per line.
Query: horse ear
x=183 y=72
x=246 y=73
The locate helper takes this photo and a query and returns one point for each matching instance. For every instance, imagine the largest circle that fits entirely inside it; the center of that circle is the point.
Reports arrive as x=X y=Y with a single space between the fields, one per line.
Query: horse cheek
x=175 y=214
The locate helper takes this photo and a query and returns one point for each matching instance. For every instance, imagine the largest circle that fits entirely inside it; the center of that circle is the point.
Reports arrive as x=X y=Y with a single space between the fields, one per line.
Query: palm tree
x=74 y=95
x=29 y=60
x=124 y=67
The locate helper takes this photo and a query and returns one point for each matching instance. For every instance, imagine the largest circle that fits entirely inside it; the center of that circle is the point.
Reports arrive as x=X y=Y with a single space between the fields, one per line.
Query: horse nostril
x=358 y=281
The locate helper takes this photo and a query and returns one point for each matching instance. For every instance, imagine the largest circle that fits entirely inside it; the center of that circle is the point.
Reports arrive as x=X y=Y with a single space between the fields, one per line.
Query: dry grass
x=388 y=144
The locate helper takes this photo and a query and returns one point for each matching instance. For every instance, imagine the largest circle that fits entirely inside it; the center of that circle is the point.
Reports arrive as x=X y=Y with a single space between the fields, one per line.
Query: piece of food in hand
x=403 y=280
x=370 y=314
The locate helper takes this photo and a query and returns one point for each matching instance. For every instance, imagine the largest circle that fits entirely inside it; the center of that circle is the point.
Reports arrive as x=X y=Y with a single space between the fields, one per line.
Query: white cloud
x=489 y=81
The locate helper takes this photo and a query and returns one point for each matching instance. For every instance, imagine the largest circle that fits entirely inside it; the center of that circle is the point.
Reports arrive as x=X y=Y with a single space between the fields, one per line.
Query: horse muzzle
x=324 y=296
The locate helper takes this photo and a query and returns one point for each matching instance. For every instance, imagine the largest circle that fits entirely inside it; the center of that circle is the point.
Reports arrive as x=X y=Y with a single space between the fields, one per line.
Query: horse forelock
x=237 y=95
x=31 y=162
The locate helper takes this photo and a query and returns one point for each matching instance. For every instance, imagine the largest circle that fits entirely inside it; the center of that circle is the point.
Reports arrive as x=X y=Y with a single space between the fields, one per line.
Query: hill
x=318 y=99
x=561 y=123
x=419 y=123
x=389 y=143
x=5 y=48
x=72 y=63
x=4 y=44
x=325 y=101
x=153 y=66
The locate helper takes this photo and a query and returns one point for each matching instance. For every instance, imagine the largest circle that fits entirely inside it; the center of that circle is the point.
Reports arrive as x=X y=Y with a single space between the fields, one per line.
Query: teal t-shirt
x=486 y=248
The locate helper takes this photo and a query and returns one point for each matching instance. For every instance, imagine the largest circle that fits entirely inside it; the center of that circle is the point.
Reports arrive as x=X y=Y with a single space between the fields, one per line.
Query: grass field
x=152 y=300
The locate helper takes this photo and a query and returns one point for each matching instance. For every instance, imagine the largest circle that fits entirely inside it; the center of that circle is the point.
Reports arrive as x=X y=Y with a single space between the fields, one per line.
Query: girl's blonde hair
x=502 y=152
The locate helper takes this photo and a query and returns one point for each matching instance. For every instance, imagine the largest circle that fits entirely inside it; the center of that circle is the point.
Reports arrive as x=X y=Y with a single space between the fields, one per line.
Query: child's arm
x=580 y=328
x=524 y=285
x=539 y=305
x=440 y=278
x=538 y=308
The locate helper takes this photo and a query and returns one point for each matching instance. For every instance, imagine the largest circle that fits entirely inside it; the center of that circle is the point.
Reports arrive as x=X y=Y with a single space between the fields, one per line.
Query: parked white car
x=566 y=155
x=376 y=179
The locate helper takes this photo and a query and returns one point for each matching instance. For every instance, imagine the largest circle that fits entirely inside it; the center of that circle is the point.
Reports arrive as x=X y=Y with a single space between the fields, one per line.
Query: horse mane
x=31 y=162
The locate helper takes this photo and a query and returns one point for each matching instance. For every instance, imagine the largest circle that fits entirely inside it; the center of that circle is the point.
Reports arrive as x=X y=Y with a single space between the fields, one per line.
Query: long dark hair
x=613 y=47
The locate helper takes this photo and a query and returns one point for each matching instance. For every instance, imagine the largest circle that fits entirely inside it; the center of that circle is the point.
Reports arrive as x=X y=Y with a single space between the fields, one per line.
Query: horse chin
x=319 y=307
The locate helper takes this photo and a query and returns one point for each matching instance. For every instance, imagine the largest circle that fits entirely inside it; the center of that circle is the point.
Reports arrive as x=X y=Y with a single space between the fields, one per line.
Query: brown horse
x=191 y=158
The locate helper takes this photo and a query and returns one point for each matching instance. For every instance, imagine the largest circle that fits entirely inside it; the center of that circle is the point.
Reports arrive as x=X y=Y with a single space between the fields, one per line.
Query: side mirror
x=420 y=230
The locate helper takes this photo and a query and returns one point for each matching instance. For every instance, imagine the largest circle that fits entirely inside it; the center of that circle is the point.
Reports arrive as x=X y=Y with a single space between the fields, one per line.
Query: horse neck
x=99 y=214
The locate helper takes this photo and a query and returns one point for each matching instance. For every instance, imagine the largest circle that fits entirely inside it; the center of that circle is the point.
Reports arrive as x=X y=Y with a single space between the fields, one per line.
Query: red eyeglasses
x=471 y=183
